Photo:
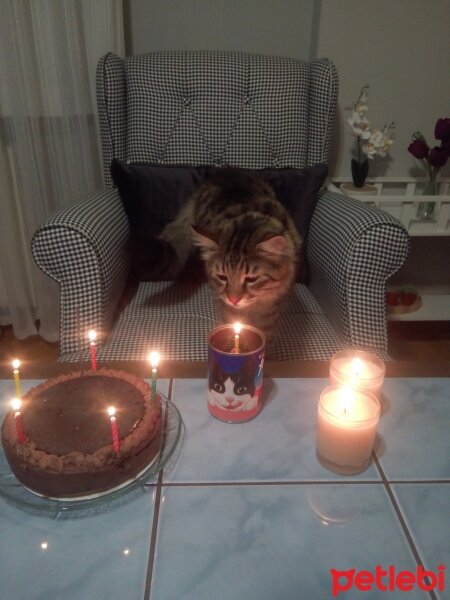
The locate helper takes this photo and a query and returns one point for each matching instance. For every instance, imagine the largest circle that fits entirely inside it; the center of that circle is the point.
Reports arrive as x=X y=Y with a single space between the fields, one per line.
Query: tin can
x=235 y=378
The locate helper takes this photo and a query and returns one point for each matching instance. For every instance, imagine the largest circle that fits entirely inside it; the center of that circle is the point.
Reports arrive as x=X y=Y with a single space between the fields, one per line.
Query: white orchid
x=378 y=141
x=371 y=142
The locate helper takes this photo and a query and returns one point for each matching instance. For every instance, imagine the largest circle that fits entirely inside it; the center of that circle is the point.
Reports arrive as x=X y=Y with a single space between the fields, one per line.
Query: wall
x=401 y=48
x=283 y=27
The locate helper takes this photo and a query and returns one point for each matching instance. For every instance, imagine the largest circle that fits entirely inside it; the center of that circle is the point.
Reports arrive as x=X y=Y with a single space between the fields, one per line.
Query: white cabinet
x=401 y=198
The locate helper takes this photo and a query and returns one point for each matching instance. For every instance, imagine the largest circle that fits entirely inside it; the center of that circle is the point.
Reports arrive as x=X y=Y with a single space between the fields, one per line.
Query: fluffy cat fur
x=248 y=242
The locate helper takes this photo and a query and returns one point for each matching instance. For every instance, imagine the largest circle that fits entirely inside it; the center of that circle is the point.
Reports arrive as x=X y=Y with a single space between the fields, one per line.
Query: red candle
x=114 y=429
x=16 y=404
x=93 y=336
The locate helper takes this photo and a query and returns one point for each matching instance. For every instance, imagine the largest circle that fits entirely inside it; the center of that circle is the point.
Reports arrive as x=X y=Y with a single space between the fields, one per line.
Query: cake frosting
x=68 y=450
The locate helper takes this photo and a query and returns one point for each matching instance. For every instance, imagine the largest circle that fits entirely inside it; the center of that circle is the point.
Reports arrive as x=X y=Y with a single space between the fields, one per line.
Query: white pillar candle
x=346 y=428
x=358 y=369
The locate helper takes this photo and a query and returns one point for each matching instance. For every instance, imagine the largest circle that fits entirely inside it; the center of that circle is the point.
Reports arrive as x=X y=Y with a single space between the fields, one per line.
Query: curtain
x=50 y=148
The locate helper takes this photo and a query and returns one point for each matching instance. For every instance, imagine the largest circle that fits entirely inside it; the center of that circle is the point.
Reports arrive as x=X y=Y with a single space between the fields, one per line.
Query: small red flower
x=442 y=129
x=418 y=149
x=437 y=157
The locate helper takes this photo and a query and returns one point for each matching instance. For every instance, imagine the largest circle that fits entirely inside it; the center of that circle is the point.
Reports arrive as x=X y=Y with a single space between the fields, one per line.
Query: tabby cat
x=248 y=242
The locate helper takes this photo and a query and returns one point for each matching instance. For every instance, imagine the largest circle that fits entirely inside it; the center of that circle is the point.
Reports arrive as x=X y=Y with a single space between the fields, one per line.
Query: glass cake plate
x=12 y=490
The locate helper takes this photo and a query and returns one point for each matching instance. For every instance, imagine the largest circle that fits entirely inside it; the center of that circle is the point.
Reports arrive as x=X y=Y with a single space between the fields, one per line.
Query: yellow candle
x=16 y=365
x=237 y=330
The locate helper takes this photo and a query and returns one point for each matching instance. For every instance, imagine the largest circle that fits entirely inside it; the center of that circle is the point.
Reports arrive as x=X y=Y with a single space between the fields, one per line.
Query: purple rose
x=442 y=129
x=418 y=148
x=438 y=157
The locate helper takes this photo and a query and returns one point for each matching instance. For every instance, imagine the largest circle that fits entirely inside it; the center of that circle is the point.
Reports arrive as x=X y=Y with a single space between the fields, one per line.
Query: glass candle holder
x=347 y=422
x=235 y=373
x=358 y=369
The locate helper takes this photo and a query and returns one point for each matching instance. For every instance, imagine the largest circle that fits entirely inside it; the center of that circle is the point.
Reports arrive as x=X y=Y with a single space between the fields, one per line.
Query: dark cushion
x=152 y=195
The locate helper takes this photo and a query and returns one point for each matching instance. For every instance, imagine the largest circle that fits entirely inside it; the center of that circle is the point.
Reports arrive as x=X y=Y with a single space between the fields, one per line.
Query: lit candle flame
x=154 y=359
x=237 y=328
x=16 y=363
x=357 y=367
x=111 y=411
x=16 y=403
x=92 y=335
x=347 y=399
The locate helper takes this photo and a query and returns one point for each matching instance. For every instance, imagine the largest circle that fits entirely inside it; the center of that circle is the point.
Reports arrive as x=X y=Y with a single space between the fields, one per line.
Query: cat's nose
x=234 y=299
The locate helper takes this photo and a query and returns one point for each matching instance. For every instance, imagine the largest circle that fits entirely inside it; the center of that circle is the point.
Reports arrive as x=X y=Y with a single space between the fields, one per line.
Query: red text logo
x=387 y=580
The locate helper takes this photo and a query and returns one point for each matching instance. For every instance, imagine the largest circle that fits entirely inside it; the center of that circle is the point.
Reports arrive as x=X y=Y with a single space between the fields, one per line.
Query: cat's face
x=232 y=396
x=242 y=279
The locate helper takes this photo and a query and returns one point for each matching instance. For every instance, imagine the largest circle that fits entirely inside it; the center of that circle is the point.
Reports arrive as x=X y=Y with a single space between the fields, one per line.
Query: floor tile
x=103 y=556
x=279 y=444
x=425 y=508
x=260 y=542
x=414 y=429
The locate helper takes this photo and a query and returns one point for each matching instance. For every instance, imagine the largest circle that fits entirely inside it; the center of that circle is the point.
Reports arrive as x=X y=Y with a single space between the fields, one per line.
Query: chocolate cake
x=68 y=450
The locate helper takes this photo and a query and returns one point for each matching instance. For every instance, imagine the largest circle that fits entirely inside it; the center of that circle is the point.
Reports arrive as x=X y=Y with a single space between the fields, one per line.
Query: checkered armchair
x=217 y=108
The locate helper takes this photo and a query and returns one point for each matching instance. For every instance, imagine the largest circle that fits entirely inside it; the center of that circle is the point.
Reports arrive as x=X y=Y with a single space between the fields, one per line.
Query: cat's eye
x=250 y=279
x=219 y=387
x=223 y=278
x=239 y=390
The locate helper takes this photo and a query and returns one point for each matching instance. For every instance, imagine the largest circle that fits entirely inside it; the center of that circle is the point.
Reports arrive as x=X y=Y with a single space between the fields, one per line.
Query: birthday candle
x=114 y=428
x=93 y=336
x=16 y=404
x=154 y=360
x=237 y=330
x=16 y=365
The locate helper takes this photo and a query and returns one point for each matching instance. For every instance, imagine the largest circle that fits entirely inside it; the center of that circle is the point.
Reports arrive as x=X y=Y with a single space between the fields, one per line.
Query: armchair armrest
x=352 y=249
x=84 y=248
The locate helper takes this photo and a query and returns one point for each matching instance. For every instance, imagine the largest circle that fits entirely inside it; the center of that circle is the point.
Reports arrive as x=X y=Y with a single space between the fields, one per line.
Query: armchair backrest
x=215 y=108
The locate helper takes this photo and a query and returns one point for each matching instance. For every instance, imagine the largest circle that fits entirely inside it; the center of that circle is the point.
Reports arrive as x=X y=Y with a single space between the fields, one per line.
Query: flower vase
x=360 y=170
x=426 y=210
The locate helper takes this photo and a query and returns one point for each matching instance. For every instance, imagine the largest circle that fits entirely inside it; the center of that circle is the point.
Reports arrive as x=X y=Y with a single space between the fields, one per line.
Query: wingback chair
x=217 y=108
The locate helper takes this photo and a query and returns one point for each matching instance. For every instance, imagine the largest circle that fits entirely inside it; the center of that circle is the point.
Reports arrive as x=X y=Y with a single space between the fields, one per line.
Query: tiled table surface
x=247 y=512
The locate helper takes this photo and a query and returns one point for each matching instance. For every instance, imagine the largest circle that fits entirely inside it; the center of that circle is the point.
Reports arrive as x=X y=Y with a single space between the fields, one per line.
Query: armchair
x=217 y=108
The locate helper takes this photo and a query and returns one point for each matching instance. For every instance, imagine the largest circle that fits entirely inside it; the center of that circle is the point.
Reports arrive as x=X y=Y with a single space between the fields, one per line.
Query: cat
x=248 y=242
x=233 y=391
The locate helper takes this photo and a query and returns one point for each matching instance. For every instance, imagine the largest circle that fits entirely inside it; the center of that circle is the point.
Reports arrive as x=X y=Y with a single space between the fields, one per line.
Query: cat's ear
x=205 y=240
x=274 y=245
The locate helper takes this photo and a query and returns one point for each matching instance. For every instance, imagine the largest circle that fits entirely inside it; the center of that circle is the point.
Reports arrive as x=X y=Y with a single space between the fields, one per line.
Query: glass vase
x=426 y=210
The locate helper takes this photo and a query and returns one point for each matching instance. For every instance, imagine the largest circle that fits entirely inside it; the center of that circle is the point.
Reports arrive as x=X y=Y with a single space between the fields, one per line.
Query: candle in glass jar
x=346 y=428
x=358 y=369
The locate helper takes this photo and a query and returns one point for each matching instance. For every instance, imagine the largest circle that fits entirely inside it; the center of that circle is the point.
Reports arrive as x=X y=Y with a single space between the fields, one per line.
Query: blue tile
x=425 y=508
x=414 y=429
x=279 y=444
x=101 y=556
x=260 y=542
